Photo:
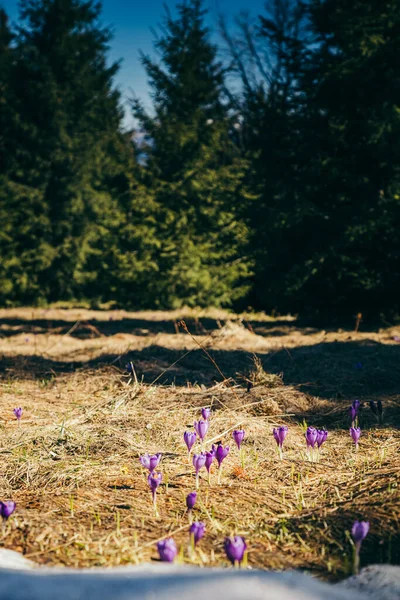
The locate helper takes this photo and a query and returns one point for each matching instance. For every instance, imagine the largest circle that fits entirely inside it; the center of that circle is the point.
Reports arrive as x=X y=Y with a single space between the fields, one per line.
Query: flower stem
x=219 y=474
x=155 y=505
x=356 y=559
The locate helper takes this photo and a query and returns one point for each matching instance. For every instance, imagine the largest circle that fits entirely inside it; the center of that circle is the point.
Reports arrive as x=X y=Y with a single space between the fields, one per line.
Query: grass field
x=72 y=466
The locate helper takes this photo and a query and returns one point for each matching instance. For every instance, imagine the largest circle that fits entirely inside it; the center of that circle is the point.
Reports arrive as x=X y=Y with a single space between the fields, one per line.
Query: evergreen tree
x=322 y=136
x=23 y=249
x=352 y=85
x=193 y=169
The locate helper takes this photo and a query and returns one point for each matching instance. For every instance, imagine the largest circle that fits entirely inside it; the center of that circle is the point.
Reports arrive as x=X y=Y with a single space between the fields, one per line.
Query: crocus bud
x=359 y=531
x=322 y=434
x=167 y=550
x=355 y=433
x=201 y=428
x=279 y=434
x=238 y=436
x=352 y=413
x=154 y=480
x=235 y=548
x=191 y=500
x=221 y=453
x=189 y=438
x=18 y=412
x=197 y=530
x=199 y=460
x=6 y=509
x=205 y=413
x=209 y=459
x=311 y=437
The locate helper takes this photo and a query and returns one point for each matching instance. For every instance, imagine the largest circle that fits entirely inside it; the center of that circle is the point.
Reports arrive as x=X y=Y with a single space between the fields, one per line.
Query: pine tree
x=23 y=250
x=193 y=169
x=69 y=118
x=349 y=242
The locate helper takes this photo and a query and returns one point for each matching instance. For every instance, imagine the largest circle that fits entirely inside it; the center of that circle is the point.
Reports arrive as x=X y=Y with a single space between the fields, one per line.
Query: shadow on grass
x=93 y=328
x=337 y=370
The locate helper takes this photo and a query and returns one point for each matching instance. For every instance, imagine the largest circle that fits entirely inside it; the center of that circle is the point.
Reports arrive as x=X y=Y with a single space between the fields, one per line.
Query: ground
x=72 y=465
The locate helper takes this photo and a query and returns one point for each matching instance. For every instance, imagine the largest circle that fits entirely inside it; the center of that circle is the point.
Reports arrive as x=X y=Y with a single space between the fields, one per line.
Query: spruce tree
x=347 y=230
x=193 y=169
x=68 y=128
x=23 y=215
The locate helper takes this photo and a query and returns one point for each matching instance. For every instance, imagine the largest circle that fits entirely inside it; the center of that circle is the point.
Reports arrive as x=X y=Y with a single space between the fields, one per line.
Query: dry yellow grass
x=73 y=469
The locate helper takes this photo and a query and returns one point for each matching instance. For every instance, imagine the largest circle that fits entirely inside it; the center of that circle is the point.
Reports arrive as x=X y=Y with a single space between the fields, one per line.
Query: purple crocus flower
x=197 y=531
x=6 y=509
x=154 y=480
x=205 y=413
x=18 y=413
x=201 y=428
x=355 y=433
x=353 y=411
x=311 y=437
x=238 y=436
x=130 y=368
x=150 y=462
x=189 y=438
x=322 y=434
x=167 y=550
x=359 y=532
x=191 y=500
x=209 y=459
x=220 y=454
x=235 y=548
x=379 y=407
x=199 y=460
x=279 y=434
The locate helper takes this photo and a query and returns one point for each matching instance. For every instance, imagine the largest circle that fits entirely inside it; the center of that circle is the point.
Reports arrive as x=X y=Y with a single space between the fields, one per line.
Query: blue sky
x=132 y=21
